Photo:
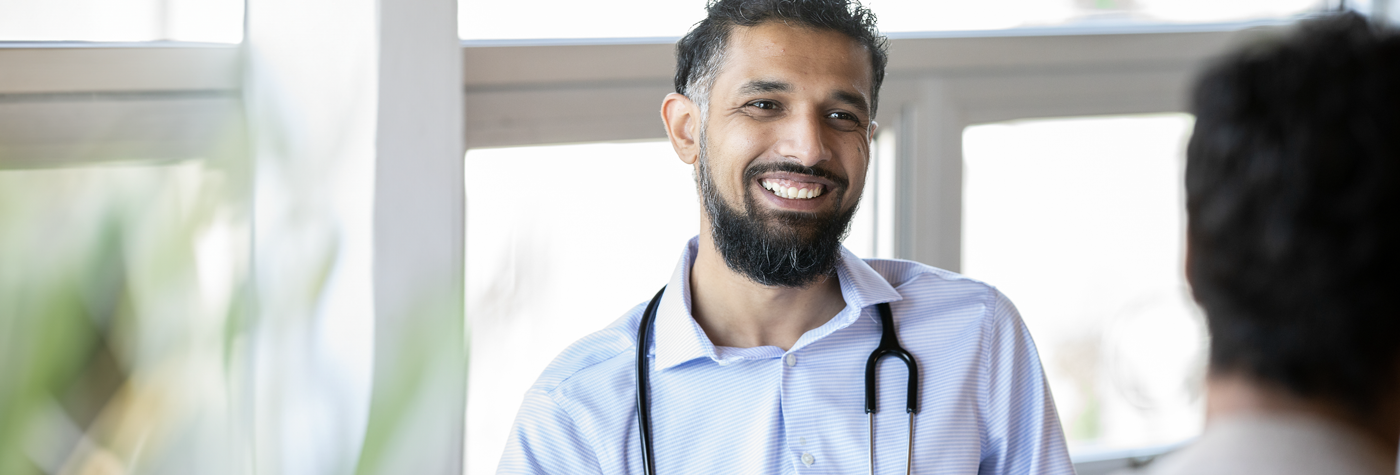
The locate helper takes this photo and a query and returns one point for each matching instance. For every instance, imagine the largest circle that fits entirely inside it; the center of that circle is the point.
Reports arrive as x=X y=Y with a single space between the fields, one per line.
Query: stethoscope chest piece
x=889 y=346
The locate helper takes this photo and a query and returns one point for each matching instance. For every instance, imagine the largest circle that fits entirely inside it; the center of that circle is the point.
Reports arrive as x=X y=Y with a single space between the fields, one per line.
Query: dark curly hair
x=700 y=54
x=1293 y=196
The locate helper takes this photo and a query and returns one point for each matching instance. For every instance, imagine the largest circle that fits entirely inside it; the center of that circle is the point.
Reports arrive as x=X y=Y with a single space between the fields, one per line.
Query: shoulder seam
x=988 y=320
x=550 y=390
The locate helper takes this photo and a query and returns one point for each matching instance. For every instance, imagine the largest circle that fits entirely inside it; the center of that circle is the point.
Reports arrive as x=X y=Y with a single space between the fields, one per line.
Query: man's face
x=785 y=150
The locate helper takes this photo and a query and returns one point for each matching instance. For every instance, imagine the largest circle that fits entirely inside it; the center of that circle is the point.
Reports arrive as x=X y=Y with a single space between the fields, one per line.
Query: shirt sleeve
x=1022 y=429
x=546 y=440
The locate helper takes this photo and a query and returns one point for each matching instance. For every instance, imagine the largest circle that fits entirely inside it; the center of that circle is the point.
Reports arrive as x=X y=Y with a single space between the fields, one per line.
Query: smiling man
x=753 y=359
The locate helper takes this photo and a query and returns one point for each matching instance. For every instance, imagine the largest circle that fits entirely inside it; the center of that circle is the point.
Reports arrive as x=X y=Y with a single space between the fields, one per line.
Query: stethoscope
x=889 y=346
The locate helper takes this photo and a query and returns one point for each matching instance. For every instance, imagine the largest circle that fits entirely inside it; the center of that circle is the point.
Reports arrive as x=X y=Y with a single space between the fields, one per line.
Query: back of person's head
x=700 y=54
x=1293 y=195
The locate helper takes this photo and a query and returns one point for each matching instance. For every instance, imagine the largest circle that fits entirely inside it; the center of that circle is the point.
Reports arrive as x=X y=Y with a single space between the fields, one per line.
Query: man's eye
x=843 y=116
x=844 y=121
x=764 y=105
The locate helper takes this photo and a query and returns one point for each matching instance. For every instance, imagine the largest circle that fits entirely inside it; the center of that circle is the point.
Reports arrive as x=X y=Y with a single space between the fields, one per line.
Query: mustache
x=770 y=167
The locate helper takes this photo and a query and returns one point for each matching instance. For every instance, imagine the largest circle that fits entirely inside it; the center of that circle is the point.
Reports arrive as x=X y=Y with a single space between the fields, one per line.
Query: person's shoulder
x=915 y=277
x=1273 y=444
x=602 y=351
x=955 y=299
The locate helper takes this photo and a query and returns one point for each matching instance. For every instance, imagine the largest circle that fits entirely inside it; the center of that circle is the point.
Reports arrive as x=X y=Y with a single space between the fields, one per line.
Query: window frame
x=62 y=102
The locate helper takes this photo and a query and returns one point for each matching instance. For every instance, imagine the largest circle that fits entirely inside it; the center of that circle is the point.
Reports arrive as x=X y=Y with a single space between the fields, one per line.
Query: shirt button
x=808 y=459
x=791 y=360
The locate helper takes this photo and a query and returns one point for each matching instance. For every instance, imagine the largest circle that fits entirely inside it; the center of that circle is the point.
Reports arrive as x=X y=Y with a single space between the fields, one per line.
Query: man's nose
x=802 y=140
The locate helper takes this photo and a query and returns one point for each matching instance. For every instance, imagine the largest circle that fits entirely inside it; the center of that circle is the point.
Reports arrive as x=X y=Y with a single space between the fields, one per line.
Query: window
x=1080 y=222
x=950 y=15
x=872 y=228
x=214 y=21
x=125 y=236
x=545 y=265
x=481 y=19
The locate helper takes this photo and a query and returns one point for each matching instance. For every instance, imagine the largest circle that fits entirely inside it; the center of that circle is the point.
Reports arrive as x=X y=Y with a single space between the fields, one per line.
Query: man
x=758 y=350
x=1293 y=195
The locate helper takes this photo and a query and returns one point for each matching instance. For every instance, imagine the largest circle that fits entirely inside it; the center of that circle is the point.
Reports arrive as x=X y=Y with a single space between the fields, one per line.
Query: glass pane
x=872 y=228
x=215 y=21
x=1080 y=222
x=949 y=15
x=482 y=19
x=561 y=241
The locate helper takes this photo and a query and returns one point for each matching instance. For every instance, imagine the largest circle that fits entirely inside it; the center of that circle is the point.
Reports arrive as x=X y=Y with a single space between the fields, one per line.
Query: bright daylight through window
x=1080 y=221
x=211 y=21
x=480 y=19
x=561 y=241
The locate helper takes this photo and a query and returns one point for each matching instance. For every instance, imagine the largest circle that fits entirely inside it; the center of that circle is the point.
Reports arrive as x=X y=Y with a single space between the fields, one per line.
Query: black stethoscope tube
x=643 y=402
x=889 y=346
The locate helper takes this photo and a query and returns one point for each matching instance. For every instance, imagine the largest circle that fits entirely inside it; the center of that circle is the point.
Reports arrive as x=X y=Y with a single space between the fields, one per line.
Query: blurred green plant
x=428 y=373
x=121 y=303
x=127 y=330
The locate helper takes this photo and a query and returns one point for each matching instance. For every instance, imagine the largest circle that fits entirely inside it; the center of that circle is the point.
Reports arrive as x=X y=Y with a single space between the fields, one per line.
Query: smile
x=793 y=190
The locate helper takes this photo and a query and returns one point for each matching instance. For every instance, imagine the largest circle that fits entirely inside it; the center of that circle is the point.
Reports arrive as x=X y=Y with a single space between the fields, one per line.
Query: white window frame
x=61 y=101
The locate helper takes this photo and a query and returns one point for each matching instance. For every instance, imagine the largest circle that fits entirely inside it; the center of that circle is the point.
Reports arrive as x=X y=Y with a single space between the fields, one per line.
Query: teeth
x=792 y=192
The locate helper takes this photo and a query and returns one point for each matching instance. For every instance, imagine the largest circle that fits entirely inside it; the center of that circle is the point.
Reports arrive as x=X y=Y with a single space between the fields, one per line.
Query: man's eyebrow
x=853 y=99
x=760 y=86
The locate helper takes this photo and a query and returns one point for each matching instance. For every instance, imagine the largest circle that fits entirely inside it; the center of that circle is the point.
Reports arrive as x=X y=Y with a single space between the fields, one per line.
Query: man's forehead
x=771 y=57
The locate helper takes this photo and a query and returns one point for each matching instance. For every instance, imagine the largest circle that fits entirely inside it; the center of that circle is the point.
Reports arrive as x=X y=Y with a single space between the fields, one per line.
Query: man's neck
x=1232 y=395
x=737 y=312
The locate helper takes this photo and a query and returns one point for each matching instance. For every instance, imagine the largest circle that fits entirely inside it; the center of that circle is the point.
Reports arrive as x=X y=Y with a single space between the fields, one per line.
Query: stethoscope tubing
x=643 y=386
x=889 y=346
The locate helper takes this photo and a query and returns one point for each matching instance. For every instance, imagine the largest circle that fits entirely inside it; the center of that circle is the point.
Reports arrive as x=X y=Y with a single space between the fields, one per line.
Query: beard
x=775 y=248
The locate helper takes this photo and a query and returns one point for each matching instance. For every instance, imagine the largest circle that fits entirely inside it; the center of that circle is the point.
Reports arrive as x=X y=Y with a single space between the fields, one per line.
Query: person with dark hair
x=1293 y=195
x=751 y=359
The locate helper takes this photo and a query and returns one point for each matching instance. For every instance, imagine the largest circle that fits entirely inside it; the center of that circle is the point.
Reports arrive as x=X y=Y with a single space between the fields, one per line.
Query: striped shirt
x=985 y=405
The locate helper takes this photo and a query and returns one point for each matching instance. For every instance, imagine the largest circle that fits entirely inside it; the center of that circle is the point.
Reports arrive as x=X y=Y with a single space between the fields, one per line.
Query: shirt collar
x=678 y=338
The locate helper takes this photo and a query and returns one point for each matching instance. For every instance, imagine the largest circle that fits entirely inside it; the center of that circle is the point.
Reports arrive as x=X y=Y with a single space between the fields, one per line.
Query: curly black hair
x=1293 y=197
x=700 y=54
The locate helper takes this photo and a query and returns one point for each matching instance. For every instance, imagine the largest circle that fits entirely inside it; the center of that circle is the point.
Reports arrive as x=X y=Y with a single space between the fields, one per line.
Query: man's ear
x=682 y=119
x=871 y=130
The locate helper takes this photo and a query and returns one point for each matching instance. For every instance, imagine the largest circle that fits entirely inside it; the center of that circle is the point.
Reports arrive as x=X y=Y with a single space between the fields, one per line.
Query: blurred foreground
x=123 y=315
x=132 y=340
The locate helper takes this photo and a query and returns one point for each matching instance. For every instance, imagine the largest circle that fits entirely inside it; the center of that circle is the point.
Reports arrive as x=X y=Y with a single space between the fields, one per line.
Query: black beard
x=776 y=249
